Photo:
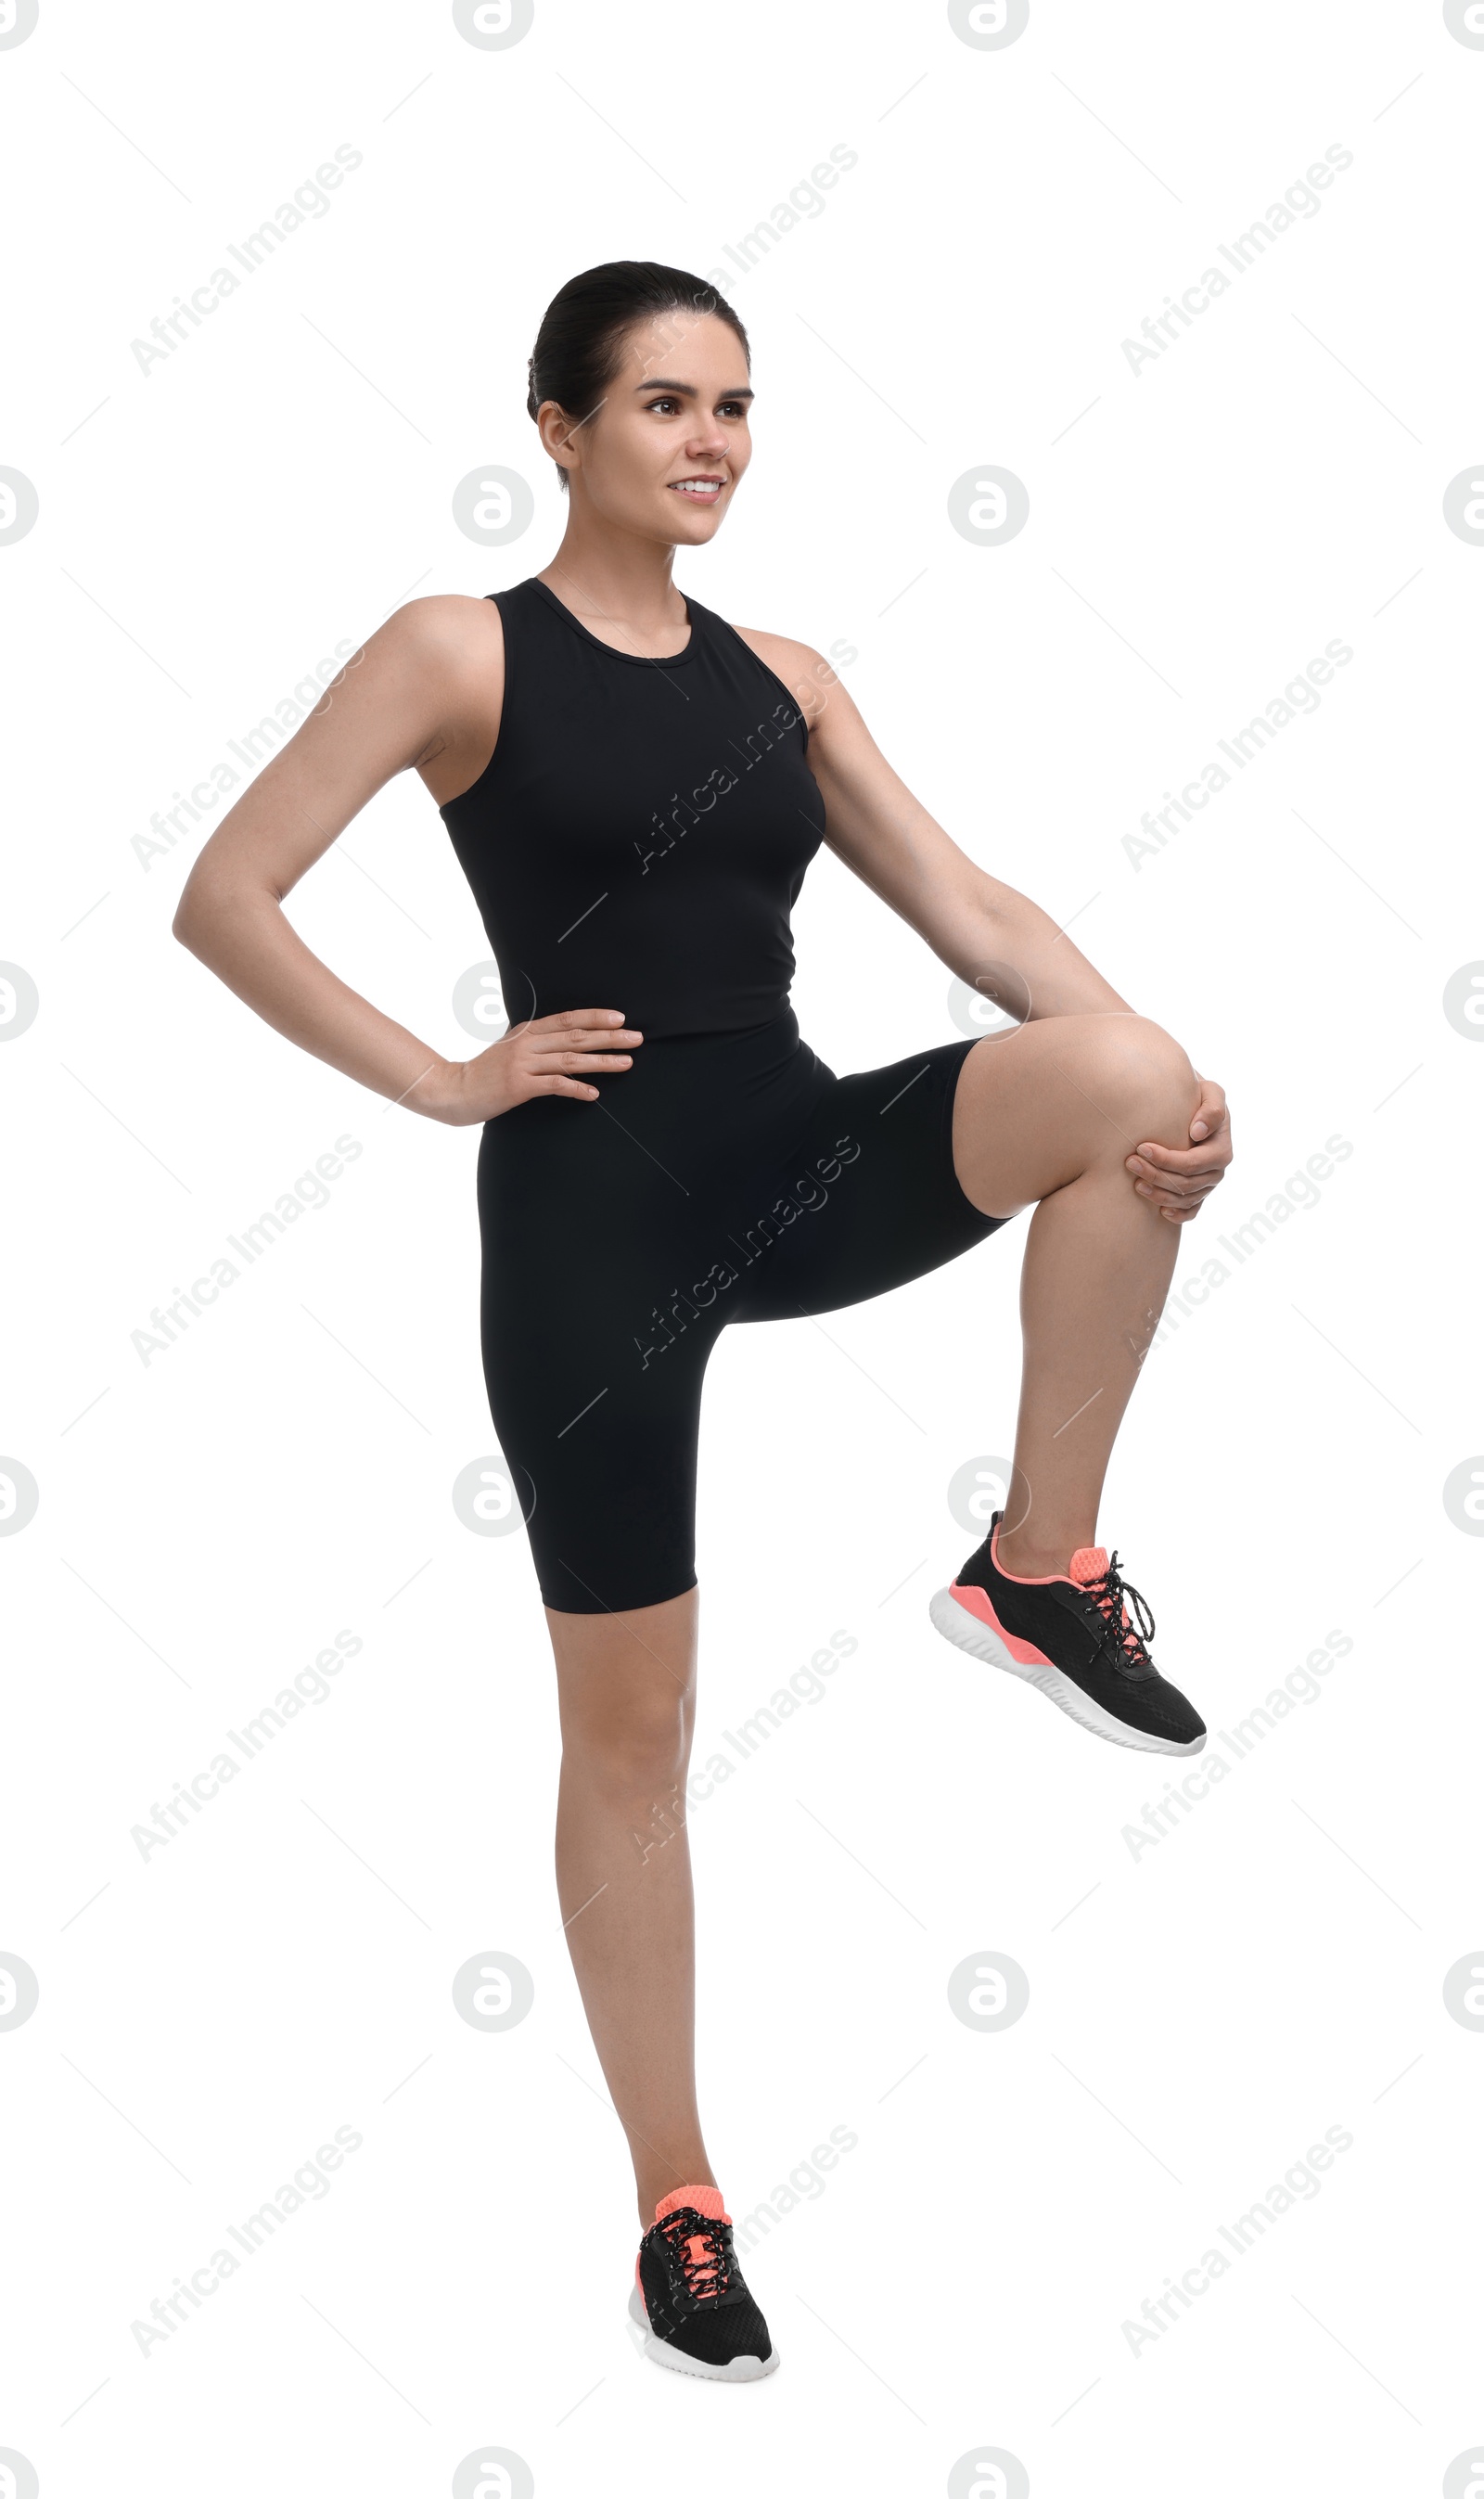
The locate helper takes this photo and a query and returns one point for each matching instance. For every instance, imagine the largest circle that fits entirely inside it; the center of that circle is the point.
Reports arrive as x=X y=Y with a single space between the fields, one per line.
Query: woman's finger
x=574 y=1019
x=1180 y=1209
x=1182 y=1183
x=569 y=1037
x=565 y=1085
x=1185 y=1161
x=1145 y=1176
x=1216 y=1154
x=1161 y=1193
x=1210 y=1112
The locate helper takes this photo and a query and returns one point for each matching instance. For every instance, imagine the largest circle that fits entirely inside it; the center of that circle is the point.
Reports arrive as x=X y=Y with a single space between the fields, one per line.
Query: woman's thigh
x=868 y=1199
x=596 y=1326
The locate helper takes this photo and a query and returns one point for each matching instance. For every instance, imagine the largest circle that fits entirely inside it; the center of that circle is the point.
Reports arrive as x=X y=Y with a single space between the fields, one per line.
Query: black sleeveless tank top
x=640 y=833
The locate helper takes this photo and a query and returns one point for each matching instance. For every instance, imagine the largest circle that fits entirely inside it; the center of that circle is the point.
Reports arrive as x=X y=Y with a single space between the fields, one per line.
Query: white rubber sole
x=737 y=2372
x=966 y=1632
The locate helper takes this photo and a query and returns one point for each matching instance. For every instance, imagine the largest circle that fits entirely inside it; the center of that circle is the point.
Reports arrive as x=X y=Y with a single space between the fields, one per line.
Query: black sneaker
x=1074 y=1639
x=689 y=2296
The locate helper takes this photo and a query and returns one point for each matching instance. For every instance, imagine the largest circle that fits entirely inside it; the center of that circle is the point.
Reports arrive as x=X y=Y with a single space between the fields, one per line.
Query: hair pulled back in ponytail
x=578 y=348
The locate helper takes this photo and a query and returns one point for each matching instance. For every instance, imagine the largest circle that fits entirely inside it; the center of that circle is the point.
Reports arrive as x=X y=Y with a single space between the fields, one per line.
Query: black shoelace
x=1129 y=1617
x=707 y=2273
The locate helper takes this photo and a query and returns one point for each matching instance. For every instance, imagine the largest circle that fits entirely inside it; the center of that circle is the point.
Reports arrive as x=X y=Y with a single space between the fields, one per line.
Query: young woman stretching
x=634 y=788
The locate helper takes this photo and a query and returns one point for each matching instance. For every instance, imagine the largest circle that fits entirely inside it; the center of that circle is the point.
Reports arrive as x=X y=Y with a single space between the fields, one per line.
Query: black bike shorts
x=724 y=1176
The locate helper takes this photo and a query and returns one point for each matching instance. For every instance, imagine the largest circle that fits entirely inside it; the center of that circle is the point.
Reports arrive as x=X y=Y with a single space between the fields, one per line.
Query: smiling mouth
x=701 y=490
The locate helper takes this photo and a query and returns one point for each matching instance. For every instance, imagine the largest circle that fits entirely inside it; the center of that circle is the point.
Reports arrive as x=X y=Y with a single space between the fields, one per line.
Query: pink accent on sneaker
x=699 y=2263
x=1046 y=1578
x=701 y=2199
x=976 y=1601
x=1089 y=1565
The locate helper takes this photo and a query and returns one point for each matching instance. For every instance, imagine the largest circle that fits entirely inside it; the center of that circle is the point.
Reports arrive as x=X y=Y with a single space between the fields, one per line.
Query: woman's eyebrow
x=688 y=390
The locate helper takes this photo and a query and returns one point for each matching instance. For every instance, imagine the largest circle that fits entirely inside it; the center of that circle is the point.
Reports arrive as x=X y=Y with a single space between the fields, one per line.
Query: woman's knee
x=626 y=1689
x=1140 y=1077
x=630 y=1743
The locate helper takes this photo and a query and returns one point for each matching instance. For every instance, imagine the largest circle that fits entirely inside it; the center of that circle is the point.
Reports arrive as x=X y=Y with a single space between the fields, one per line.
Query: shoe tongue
x=1090 y=1562
x=705 y=2201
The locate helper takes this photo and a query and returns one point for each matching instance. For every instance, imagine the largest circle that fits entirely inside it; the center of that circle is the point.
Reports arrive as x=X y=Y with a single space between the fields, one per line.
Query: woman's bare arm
x=980 y=928
x=884 y=834
x=425 y=690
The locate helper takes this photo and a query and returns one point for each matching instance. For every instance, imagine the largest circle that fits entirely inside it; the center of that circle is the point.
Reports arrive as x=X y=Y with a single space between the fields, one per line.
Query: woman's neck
x=612 y=578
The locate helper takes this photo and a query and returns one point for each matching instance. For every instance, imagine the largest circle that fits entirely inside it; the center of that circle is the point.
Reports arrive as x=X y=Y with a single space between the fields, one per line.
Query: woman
x=634 y=788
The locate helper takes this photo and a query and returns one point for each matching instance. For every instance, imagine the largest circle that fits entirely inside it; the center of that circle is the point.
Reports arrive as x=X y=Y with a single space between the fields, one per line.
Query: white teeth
x=696 y=486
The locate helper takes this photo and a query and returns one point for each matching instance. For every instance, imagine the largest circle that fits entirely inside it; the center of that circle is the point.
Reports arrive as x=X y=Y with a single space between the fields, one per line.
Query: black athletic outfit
x=637 y=840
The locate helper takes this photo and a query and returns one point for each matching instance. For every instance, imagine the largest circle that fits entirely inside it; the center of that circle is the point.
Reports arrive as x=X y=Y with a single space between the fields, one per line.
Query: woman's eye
x=667 y=407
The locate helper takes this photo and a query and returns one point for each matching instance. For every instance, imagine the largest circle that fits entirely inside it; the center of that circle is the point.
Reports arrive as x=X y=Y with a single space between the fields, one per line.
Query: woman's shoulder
x=449 y=625
x=451 y=647
x=449 y=640
x=805 y=672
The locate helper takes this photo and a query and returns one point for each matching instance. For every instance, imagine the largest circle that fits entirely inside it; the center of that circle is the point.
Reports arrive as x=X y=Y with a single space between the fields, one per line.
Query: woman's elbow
x=188 y=924
x=208 y=904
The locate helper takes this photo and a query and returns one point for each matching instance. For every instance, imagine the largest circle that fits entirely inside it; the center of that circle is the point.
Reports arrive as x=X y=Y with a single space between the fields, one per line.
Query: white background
x=1199 y=2013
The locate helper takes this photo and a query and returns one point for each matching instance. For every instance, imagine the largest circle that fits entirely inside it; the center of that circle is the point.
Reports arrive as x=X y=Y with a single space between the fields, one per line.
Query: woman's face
x=675 y=411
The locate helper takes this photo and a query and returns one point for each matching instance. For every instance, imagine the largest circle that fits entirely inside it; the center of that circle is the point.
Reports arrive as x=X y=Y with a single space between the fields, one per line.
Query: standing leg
x=626 y=1690
x=1049 y=1114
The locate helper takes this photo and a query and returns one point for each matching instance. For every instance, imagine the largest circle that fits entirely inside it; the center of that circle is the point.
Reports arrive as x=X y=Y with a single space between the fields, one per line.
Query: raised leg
x=1045 y=1115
